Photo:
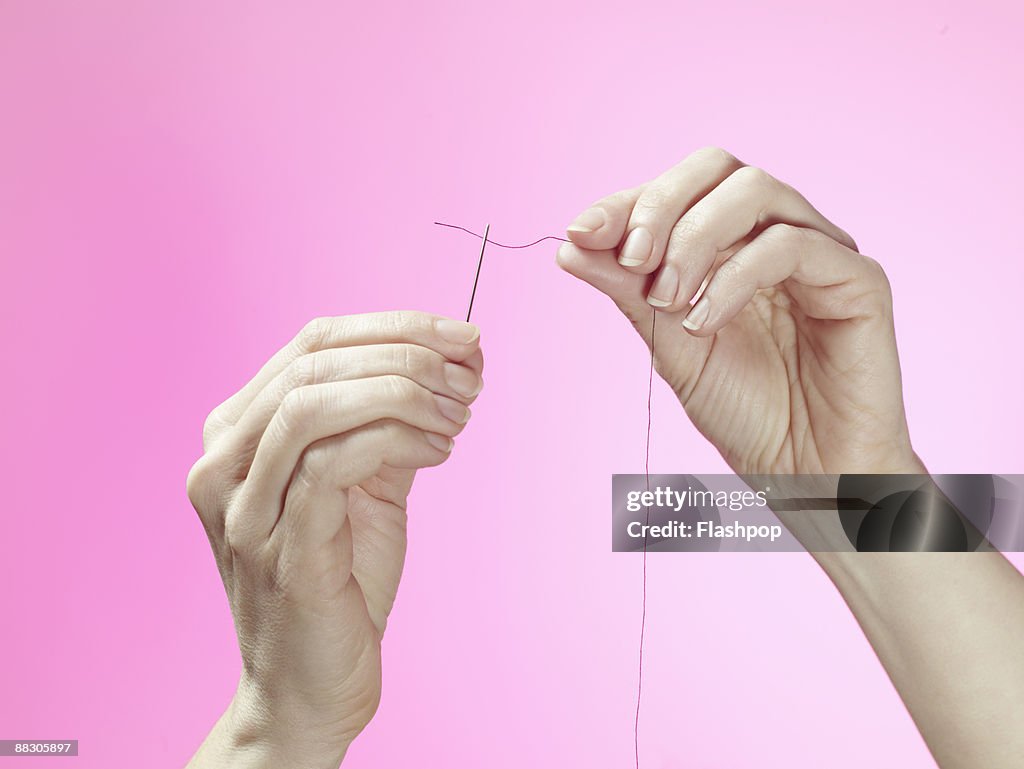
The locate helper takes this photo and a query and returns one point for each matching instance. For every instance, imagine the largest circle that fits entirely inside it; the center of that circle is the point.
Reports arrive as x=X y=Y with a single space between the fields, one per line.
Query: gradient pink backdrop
x=183 y=185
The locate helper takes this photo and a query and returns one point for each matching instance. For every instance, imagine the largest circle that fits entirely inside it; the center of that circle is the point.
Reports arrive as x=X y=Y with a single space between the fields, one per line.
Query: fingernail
x=442 y=442
x=452 y=410
x=457 y=332
x=590 y=220
x=637 y=248
x=663 y=292
x=462 y=380
x=695 y=318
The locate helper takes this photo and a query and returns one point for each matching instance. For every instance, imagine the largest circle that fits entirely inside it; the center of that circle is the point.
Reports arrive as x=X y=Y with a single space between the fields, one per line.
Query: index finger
x=453 y=339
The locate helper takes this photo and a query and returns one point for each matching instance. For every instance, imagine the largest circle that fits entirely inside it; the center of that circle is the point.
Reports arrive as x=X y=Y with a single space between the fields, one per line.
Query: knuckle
x=212 y=425
x=729 y=274
x=691 y=229
x=655 y=198
x=753 y=177
x=403 y=323
x=815 y=238
x=875 y=268
x=239 y=533
x=314 y=465
x=302 y=371
x=785 y=234
x=879 y=278
x=714 y=156
x=294 y=408
x=395 y=432
x=401 y=389
x=294 y=376
x=207 y=490
x=314 y=334
x=199 y=481
x=869 y=298
x=850 y=242
x=390 y=388
x=415 y=360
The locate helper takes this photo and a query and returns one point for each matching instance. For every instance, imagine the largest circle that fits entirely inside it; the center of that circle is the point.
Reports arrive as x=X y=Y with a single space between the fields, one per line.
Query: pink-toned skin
x=185 y=185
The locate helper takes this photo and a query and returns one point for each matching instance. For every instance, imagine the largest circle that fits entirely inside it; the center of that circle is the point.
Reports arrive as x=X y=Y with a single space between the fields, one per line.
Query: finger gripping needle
x=479 y=264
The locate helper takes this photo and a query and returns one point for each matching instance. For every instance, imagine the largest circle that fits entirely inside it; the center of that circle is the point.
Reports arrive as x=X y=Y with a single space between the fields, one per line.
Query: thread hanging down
x=643 y=612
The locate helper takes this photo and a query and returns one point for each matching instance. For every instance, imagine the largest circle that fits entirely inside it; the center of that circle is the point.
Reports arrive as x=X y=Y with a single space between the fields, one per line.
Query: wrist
x=824 y=536
x=251 y=735
x=858 y=571
x=286 y=738
x=909 y=464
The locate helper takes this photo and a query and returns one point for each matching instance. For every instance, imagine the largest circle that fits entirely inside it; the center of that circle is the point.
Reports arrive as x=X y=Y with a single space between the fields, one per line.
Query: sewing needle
x=479 y=264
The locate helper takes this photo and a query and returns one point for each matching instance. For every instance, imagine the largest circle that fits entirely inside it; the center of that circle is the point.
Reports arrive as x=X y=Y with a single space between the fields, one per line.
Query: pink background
x=183 y=185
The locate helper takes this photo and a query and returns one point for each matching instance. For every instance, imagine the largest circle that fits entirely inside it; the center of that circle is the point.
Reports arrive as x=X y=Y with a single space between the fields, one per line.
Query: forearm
x=949 y=630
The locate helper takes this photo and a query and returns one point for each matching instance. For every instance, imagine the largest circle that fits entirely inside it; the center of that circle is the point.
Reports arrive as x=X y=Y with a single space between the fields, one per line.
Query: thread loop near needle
x=483 y=245
x=502 y=245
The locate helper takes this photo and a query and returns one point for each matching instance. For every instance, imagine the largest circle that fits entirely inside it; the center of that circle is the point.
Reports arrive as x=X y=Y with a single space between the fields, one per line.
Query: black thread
x=643 y=614
x=647 y=460
x=503 y=245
